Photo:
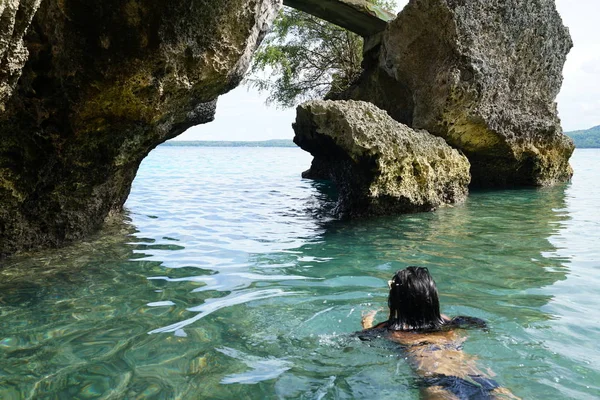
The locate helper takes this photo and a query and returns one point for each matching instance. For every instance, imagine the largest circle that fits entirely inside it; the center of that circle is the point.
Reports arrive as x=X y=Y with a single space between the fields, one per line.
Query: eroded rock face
x=15 y=17
x=484 y=75
x=106 y=81
x=379 y=166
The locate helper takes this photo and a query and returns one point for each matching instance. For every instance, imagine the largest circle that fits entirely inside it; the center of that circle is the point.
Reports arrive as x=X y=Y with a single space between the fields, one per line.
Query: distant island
x=203 y=143
x=586 y=139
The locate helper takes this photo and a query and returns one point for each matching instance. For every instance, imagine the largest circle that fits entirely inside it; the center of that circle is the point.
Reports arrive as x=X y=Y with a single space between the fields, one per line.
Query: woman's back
x=432 y=343
x=431 y=353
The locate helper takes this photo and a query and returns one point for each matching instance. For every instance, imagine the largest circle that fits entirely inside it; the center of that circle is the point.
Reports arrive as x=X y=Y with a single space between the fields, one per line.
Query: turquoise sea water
x=227 y=278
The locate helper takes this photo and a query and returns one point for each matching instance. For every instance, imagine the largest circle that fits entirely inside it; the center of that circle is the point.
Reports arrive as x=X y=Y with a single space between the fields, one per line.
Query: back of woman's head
x=413 y=301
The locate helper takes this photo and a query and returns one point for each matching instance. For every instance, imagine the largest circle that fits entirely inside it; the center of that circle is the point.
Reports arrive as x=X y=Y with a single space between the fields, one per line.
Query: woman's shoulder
x=414 y=338
x=377 y=331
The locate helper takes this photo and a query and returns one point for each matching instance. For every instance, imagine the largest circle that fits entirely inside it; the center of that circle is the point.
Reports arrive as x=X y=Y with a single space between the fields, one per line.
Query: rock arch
x=89 y=88
x=101 y=84
x=93 y=86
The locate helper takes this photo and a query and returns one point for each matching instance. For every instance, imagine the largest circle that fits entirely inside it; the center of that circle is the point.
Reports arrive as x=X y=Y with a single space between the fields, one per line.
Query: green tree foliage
x=589 y=138
x=304 y=57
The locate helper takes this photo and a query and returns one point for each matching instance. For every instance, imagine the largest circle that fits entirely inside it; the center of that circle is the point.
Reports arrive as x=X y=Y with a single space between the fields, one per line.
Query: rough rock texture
x=15 y=17
x=106 y=81
x=484 y=75
x=379 y=166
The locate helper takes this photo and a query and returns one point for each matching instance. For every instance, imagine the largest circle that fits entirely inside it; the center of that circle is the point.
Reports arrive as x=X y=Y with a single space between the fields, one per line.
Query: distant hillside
x=202 y=143
x=589 y=138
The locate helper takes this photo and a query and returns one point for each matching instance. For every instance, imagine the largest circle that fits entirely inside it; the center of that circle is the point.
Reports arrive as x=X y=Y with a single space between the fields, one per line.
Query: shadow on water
x=248 y=288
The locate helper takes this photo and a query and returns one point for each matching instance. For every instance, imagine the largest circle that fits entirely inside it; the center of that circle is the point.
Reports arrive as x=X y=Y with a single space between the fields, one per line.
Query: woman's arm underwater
x=465 y=322
x=368 y=318
x=370 y=332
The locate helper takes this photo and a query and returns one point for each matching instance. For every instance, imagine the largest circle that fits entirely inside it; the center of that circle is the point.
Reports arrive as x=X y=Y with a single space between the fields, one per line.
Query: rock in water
x=105 y=82
x=484 y=75
x=379 y=166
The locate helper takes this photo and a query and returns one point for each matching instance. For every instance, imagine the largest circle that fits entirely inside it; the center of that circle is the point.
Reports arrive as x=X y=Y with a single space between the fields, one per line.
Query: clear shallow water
x=228 y=279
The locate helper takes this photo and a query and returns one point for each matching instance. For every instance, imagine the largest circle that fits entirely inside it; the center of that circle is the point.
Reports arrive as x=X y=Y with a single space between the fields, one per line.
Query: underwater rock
x=379 y=166
x=482 y=74
x=105 y=82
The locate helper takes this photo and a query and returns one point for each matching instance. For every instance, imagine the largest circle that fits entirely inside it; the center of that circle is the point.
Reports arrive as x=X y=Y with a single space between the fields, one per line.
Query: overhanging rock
x=105 y=82
x=358 y=16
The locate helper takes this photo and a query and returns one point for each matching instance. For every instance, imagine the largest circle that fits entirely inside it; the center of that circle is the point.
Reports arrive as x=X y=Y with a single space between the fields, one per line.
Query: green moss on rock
x=380 y=166
x=484 y=75
x=106 y=82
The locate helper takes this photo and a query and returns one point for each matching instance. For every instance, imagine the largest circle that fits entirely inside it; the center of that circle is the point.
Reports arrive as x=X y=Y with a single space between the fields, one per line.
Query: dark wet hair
x=413 y=301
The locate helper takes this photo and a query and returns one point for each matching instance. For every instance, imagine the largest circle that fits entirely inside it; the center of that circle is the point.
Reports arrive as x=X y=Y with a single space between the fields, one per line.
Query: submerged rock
x=484 y=75
x=379 y=166
x=105 y=82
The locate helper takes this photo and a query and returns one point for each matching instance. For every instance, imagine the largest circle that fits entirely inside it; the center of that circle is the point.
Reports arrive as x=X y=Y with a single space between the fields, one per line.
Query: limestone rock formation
x=484 y=75
x=379 y=166
x=105 y=82
x=15 y=17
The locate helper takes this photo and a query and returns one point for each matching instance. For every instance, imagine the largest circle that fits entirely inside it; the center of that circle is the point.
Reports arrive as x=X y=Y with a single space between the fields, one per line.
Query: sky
x=243 y=116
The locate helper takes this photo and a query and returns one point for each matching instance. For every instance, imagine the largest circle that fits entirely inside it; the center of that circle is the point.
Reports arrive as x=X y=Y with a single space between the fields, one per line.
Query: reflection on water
x=262 y=369
x=212 y=305
x=228 y=278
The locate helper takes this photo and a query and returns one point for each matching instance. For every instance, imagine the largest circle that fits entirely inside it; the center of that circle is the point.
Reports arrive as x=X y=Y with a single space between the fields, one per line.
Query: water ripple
x=212 y=305
x=250 y=288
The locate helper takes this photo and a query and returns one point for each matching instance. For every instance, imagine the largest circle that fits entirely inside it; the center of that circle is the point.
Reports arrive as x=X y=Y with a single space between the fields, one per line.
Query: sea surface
x=228 y=278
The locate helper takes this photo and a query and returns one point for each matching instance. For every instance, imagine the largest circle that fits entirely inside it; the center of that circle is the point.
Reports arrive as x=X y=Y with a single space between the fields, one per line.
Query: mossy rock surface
x=104 y=82
x=484 y=75
x=379 y=165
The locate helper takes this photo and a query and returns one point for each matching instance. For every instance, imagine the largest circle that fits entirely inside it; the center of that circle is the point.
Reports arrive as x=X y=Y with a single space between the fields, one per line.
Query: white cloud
x=592 y=67
x=242 y=115
x=579 y=99
x=400 y=5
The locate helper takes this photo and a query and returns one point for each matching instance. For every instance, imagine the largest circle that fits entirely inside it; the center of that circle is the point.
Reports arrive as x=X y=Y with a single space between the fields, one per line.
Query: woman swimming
x=433 y=347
